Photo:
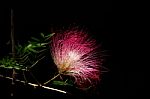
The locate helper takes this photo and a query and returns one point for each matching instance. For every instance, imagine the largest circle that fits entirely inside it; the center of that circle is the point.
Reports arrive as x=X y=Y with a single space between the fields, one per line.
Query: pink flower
x=75 y=54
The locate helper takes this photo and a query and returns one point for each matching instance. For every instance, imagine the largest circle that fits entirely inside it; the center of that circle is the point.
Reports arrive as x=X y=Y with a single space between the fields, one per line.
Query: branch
x=12 y=35
x=35 y=85
x=13 y=46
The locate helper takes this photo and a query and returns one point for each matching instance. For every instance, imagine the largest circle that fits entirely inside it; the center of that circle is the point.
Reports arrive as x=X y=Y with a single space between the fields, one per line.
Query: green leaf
x=33 y=38
x=10 y=63
x=62 y=83
x=32 y=50
x=48 y=36
x=42 y=35
x=41 y=44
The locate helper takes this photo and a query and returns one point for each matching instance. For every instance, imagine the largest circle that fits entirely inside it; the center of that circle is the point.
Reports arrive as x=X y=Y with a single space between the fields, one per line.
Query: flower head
x=75 y=54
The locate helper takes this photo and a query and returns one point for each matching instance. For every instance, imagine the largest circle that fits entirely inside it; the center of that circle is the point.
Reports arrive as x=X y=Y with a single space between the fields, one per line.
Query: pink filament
x=75 y=54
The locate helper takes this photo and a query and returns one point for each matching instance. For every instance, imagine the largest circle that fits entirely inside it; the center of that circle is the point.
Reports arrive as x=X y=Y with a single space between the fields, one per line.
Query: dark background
x=125 y=78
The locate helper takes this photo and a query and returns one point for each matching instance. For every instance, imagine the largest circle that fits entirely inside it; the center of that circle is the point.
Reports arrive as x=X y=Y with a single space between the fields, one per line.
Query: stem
x=51 y=79
x=24 y=76
x=12 y=35
x=37 y=62
x=35 y=78
x=13 y=47
x=36 y=85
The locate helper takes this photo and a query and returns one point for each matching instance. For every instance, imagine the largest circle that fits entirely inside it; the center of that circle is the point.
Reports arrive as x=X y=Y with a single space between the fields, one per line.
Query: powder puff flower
x=77 y=55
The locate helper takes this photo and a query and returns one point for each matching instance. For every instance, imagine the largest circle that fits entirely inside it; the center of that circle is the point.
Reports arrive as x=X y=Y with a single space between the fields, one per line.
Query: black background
x=125 y=78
